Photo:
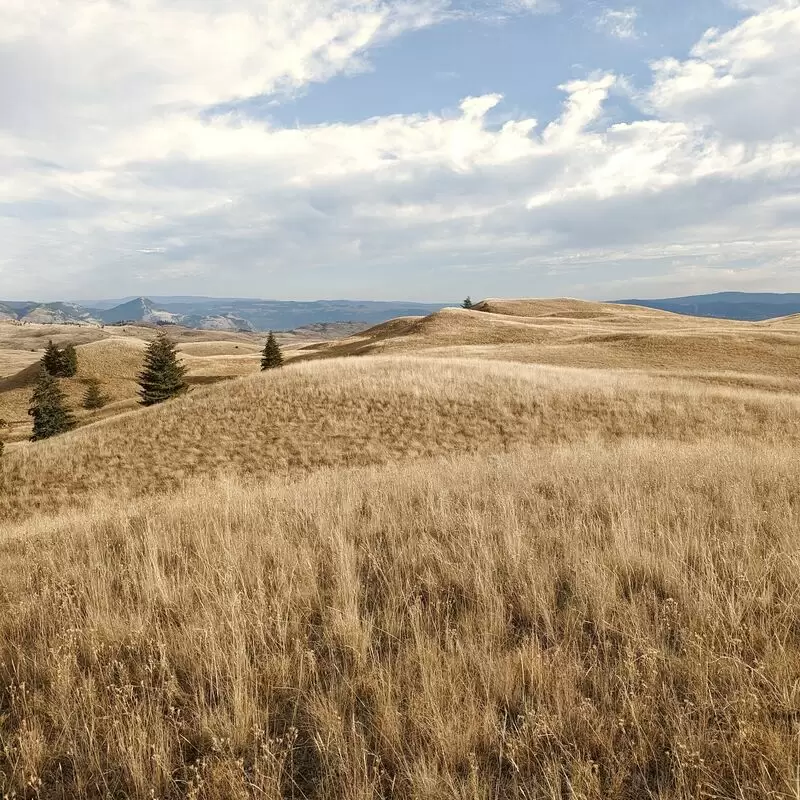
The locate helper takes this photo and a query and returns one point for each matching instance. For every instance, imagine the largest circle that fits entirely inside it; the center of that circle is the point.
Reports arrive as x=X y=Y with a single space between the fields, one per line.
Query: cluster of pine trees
x=163 y=377
x=48 y=407
x=60 y=363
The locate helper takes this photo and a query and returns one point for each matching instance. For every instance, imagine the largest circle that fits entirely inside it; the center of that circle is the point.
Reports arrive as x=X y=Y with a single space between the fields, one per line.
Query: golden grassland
x=113 y=356
x=373 y=410
x=571 y=621
x=442 y=570
x=585 y=334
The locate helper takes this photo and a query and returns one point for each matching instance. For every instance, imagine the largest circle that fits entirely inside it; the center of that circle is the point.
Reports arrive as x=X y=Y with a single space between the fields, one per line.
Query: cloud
x=94 y=67
x=104 y=197
x=743 y=83
x=498 y=11
x=535 y=6
x=619 y=23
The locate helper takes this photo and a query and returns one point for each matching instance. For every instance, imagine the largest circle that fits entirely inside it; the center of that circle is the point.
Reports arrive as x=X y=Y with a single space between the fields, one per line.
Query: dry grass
x=557 y=332
x=583 y=334
x=569 y=622
x=417 y=577
x=203 y=349
x=115 y=361
x=113 y=356
x=372 y=410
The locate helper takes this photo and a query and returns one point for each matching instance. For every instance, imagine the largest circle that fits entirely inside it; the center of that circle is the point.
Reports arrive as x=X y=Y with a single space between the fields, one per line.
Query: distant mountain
x=140 y=309
x=260 y=315
x=748 y=306
x=219 y=313
x=47 y=313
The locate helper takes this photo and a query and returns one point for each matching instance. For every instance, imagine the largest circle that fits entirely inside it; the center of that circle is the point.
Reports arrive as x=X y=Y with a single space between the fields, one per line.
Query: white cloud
x=619 y=23
x=535 y=6
x=96 y=66
x=743 y=83
x=101 y=196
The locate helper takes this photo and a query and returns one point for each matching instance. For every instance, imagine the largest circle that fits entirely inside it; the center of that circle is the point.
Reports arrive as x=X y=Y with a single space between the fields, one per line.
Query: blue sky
x=384 y=149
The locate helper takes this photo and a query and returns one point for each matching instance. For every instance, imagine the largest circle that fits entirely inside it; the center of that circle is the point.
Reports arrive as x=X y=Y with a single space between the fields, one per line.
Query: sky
x=398 y=149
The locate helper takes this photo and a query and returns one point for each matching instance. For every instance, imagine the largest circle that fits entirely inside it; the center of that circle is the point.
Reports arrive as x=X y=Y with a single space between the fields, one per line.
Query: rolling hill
x=541 y=549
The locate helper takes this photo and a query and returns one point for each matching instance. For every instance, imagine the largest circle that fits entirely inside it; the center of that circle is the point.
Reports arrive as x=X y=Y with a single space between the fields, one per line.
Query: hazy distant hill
x=727 y=305
x=44 y=313
x=218 y=313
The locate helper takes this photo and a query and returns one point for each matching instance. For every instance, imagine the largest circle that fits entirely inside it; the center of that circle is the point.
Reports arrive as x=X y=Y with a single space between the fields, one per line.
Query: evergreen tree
x=69 y=362
x=271 y=356
x=48 y=409
x=163 y=376
x=467 y=303
x=52 y=359
x=60 y=363
x=93 y=398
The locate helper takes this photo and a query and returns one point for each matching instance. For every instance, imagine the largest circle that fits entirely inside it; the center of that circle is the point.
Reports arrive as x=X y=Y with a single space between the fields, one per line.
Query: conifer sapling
x=93 y=398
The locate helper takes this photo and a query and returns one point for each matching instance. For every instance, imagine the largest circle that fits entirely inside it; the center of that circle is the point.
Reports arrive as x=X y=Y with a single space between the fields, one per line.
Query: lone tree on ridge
x=163 y=376
x=467 y=303
x=271 y=356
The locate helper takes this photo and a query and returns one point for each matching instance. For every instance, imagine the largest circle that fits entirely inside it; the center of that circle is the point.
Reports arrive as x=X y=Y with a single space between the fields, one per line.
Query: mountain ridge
x=217 y=313
x=744 y=306
x=247 y=314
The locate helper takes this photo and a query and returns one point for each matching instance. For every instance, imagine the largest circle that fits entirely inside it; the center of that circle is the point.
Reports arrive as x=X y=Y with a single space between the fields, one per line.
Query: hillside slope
x=415 y=575
x=582 y=334
x=581 y=621
x=372 y=410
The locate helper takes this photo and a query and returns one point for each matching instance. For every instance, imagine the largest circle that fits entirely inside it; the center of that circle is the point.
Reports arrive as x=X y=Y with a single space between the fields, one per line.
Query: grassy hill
x=113 y=356
x=585 y=334
x=436 y=570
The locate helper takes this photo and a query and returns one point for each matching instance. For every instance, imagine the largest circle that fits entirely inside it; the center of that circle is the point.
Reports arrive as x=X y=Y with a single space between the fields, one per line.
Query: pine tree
x=467 y=303
x=48 y=409
x=271 y=356
x=69 y=362
x=163 y=376
x=52 y=359
x=93 y=398
x=60 y=363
